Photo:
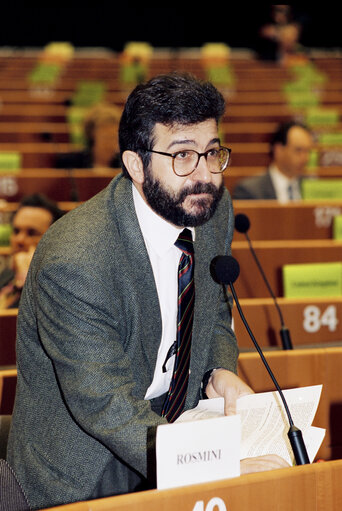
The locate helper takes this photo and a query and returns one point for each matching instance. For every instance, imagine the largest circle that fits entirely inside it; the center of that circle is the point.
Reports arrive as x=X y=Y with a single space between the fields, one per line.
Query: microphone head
x=242 y=223
x=224 y=269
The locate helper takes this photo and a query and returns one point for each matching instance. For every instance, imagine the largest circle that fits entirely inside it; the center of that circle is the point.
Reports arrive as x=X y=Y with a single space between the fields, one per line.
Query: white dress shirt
x=281 y=185
x=160 y=236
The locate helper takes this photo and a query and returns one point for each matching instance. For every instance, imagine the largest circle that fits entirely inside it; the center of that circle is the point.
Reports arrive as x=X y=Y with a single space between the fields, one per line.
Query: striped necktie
x=175 y=399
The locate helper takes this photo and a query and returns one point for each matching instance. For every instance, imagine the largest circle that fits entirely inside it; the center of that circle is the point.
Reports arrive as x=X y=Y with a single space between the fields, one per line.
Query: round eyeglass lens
x=185 y=162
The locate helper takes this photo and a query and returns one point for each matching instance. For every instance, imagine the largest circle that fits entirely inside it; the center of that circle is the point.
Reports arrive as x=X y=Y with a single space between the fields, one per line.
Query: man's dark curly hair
x=174 y=98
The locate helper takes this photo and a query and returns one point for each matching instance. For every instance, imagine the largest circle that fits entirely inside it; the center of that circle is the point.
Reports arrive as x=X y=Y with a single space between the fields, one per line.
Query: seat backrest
x=12 y=496
x=5 y=422
x=8 y=382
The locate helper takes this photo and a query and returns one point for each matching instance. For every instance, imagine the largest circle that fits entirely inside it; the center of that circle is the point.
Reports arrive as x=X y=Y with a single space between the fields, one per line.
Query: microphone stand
x=294 y=434
x=284 y=331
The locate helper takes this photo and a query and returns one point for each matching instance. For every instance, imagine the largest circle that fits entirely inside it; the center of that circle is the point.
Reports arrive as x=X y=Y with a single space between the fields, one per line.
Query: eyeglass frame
x=205 y=154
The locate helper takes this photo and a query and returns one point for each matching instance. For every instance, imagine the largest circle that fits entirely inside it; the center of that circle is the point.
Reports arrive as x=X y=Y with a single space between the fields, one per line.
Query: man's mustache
x=197 y=189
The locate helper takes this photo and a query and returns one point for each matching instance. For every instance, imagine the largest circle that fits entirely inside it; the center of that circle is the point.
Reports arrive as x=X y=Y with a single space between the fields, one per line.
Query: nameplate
x=77 y=135
x=134 y=72
x=88 y=93
x=220 y=75
x=313 y=189
x=309 y=73
x=337 y=227
x=322 y=116
x=297 y=87
x=47 y=73
x=10 y=160
x=198 y=451
x=302 y=99
x=5 y=233
x=312 y=279
x=313 y=162
x=330 y=139
x=76 y=114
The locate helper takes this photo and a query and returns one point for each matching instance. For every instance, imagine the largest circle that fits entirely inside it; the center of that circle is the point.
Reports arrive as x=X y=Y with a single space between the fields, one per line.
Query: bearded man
x=106 y=349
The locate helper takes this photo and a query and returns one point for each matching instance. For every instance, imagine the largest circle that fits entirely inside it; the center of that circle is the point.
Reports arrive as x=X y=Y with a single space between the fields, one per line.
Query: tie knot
x=184 y=242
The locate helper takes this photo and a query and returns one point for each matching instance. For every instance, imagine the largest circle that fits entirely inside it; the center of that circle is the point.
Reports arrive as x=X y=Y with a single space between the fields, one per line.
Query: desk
x=311 y=322
x=296 y=220
x=272 y=256
x=315 y=487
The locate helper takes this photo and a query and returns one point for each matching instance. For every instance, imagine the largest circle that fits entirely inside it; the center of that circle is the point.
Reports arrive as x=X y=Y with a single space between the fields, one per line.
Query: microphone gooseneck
x=225 y=270
x=242 y=225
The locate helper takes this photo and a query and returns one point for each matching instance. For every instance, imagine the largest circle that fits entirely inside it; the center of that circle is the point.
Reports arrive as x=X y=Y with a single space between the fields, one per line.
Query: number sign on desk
x=311 y=321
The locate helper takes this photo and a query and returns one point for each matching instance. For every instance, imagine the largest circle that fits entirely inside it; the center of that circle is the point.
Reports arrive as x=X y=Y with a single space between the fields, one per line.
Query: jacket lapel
x=209 y=242
x=140 y=270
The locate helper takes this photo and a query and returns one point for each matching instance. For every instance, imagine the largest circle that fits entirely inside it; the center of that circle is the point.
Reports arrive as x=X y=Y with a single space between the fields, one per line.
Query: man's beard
x=169 y=205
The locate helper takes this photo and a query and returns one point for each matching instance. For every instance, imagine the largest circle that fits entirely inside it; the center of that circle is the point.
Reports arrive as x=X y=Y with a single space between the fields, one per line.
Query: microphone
x=225 y=270
x=242 y=225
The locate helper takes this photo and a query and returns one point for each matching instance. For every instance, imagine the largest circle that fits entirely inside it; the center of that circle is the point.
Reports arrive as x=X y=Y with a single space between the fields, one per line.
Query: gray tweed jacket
x=89 y=329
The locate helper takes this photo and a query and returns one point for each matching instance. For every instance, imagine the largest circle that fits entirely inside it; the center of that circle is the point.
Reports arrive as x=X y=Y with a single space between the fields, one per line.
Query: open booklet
x=264 y=423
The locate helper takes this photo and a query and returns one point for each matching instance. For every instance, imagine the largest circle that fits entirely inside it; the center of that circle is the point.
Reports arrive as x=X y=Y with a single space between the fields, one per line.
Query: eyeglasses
x=185 y=162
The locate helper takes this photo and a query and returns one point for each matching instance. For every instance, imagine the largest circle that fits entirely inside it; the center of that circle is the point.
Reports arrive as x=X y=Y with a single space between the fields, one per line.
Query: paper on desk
x=265 y=424
x=264 y=421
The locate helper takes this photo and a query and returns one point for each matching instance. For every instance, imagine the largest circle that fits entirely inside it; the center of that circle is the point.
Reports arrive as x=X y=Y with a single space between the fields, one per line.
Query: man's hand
x=262 y=463
x=21 y=263
x=224 y=383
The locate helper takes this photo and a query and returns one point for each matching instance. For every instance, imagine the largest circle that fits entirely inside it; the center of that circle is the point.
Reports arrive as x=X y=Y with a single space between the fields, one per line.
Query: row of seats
x=59 y=132
x=261 y=100
x=80 y=184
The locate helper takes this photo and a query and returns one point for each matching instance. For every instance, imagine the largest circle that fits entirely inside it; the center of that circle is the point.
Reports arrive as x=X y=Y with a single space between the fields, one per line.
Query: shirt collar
x=280 y=177
x=281 y=185
x=159 y=233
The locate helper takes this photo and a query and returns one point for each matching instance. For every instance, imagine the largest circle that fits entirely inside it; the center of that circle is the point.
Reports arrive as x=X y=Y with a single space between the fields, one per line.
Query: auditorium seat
x=12 y=495
x=5 y=423
x=8 y=381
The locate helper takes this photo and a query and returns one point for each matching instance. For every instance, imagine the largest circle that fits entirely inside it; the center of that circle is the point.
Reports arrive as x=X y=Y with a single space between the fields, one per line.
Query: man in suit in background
x=290 y=151
x=32 y=219
x=97 y=322
x=100 y=129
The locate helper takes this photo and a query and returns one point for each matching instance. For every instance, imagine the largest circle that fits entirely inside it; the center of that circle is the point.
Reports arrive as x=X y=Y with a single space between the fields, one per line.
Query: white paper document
x=203 y=445
x=264 y=422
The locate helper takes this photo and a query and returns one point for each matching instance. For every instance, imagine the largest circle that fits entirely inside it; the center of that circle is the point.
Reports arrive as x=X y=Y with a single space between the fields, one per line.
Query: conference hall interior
x=65 y=76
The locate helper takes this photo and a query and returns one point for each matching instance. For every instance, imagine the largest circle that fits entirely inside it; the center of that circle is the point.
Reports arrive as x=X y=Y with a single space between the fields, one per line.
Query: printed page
x=265 y=423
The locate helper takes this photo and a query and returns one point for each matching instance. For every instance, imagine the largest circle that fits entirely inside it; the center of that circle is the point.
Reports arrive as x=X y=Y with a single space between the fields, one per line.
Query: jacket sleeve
x=83 y=332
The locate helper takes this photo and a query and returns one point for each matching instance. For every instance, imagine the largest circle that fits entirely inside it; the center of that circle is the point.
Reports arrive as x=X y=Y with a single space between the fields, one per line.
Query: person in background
x=100 y=126
x=291 y=146
x=279 y=37
x=32 y=219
